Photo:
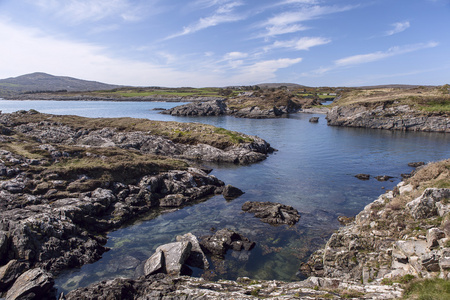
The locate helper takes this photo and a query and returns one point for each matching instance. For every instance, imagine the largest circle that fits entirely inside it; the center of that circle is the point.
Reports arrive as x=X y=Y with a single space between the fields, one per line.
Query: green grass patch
x=436 y=106
x=428 y=289
x=234 y=136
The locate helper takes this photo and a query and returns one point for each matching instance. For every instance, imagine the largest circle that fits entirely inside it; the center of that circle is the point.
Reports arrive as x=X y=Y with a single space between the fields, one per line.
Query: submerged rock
x=363 y=176
x=272 y=213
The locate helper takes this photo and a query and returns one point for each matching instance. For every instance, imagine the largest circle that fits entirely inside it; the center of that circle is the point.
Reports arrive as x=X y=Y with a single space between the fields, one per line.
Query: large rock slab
x=33 y=284
x=175 y=255
x=10 y=272
x=272 y=213
x=197 y=257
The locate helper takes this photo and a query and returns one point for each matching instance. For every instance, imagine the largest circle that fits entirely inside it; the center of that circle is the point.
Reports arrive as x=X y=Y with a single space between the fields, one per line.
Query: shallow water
x=313 y=171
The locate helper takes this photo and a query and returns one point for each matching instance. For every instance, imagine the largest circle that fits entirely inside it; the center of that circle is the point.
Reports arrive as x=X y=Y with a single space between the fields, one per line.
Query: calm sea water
x=313 y=171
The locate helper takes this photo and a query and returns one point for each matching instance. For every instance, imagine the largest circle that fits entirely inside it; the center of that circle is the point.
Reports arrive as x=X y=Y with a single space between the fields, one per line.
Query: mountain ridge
x=39 y=82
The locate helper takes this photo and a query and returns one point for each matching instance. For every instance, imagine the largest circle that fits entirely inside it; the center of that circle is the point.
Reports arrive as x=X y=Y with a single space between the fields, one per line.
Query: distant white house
x=248 y=94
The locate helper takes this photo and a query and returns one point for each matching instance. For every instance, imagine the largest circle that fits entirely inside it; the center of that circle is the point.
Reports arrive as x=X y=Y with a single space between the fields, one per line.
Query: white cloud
x=283 y=29
x=398 y=27
x=235 y=55
x=223 y=14
x=31 y=50
x=262 y=71
x=303 y=43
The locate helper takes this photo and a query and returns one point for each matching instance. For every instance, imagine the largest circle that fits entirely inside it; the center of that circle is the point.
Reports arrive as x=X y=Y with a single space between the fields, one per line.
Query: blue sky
x=203 y=43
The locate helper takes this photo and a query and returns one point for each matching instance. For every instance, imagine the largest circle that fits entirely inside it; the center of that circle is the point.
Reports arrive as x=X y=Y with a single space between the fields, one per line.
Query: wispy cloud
x=359 y=59
x=225 y=13
x=235 y=55
x=303 y=43
x=289 y=21
x=78 y=11
x=374 y=56
x=398 y=27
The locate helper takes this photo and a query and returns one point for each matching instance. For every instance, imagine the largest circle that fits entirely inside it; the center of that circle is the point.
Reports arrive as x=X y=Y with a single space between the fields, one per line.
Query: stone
x=155 y=264
x=430 y=261
x=272 y=213
x=230 y=192
x=33 y=284
x=383 y=178
x=197 y=257
x=363 y=176
x=314 y=120
x=433 y=237
x=175 y=255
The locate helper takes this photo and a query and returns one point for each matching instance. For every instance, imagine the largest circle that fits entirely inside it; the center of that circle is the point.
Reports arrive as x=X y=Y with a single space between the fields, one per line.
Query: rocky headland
x=416 y=109
x=66 y=181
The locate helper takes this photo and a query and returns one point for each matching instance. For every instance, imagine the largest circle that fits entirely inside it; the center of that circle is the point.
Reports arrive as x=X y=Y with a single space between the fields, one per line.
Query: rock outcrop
x=223 y=240
x=206 y=108
x=272 y=213
x=394 y=118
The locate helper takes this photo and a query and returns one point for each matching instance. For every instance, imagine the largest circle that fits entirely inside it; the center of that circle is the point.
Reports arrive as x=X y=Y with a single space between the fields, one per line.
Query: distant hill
x=277 y=85
x=42 y=82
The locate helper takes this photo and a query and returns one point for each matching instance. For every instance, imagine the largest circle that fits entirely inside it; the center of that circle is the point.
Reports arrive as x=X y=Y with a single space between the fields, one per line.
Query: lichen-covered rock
x=425 y=205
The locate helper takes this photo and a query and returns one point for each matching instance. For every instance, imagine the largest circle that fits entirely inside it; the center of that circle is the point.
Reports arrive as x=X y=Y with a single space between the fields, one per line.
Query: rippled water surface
x=313 y=171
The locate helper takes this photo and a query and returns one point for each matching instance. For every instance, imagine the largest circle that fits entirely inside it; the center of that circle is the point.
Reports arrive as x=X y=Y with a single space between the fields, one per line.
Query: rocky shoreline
x=66 y=181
